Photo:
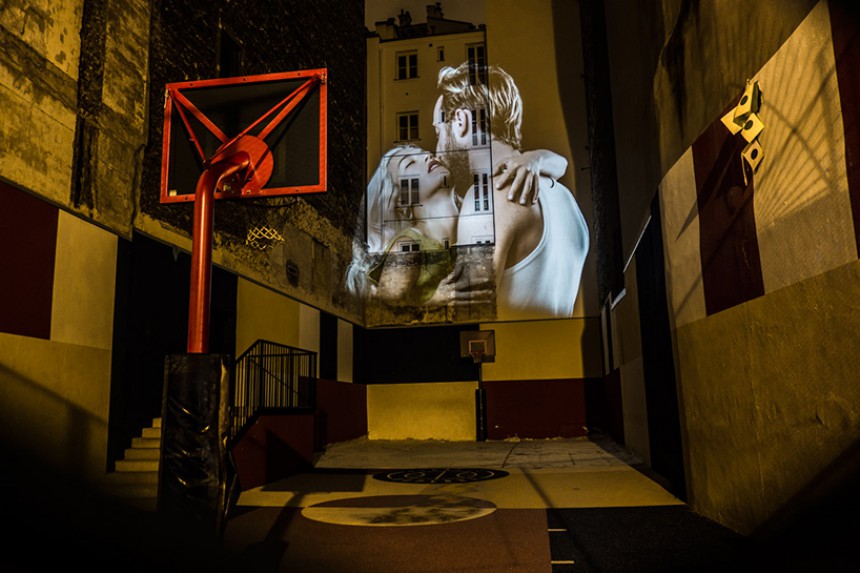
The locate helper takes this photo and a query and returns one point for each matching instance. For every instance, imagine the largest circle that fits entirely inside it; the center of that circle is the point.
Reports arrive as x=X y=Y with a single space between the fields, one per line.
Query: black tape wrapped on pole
x=196 y=478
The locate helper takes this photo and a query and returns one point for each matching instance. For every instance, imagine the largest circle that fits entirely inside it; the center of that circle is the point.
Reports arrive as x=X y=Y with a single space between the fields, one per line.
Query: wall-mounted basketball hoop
x=480 y=346
x=239 y=138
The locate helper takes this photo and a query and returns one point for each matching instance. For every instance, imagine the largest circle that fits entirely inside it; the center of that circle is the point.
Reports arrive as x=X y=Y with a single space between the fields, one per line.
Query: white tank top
x=546 y=282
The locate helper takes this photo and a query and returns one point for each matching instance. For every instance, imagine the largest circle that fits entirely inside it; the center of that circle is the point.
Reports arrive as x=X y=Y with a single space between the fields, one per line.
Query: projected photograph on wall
x=460 y=223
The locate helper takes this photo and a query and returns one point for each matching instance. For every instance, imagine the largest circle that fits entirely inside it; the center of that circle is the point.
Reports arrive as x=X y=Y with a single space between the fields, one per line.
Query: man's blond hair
x=462 y=88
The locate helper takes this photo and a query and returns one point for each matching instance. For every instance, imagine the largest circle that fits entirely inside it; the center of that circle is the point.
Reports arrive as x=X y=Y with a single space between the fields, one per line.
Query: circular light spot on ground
x=399 y=510
x=440 y=475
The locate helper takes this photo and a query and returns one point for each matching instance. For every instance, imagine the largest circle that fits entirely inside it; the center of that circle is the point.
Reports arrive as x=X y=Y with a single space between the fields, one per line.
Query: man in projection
x=540 y=247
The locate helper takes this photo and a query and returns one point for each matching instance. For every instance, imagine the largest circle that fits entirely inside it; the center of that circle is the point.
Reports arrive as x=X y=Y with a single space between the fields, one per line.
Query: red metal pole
x=201 y=265
x=201 y=249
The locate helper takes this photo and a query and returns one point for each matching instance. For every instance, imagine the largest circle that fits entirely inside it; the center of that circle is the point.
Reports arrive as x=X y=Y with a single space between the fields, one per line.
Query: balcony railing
x=271 y=376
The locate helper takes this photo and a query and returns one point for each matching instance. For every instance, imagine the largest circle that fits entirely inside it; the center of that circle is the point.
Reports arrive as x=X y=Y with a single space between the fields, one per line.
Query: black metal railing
x=271 y=376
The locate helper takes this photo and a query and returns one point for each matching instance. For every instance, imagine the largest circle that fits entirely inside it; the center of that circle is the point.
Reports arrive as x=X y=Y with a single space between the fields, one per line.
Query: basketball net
x=263 y=237
x=476 y=355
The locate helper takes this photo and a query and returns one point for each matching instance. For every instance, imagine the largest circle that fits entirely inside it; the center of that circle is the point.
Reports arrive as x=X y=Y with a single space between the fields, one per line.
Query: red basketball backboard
x=279 y=120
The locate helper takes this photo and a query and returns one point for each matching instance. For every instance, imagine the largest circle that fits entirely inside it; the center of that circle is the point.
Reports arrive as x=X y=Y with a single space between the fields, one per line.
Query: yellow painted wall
x=547 y=349
x=54 y=401
x=309 y=328
x=84 y=284
x=770 y=395
x=262 y=313
x=55 y=394
x=434 y=411
x=767 y=388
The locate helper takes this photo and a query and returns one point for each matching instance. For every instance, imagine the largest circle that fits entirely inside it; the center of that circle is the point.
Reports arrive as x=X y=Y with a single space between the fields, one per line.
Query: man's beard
x=457 y=161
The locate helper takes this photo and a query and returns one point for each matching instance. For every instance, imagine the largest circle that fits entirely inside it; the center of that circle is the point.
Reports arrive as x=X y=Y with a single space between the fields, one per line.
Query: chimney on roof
x=405 y=18
x=434 y=10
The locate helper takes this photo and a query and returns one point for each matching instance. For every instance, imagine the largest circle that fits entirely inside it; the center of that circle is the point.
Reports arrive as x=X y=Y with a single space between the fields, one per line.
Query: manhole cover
x=440 y=475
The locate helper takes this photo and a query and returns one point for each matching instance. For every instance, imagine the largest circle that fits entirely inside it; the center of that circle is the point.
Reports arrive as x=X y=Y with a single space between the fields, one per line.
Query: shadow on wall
x=819 y=524
x=59 y=517
x=29 y=424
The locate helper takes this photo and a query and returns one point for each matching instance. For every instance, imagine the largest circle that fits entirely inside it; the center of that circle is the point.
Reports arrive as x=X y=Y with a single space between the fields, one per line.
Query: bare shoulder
x=512 y=213
x=518 y=228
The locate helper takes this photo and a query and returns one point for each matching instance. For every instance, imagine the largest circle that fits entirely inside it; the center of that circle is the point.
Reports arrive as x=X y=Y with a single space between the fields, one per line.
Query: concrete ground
x=541 y=506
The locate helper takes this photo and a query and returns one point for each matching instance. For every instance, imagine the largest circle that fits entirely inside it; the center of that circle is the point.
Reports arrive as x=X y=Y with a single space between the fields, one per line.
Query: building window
x=408 y=246
x=440 y=53
x=407 y=65
x=408 y=192
x=481 y=187
x=476 y=55
x=407 y=126
x=479 y=126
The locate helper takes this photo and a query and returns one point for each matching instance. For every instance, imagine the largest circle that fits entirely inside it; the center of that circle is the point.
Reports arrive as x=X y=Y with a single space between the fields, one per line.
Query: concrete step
x=131 y=478
x=146 y=443
x=138 y=489
x=142 y=454
x=151 y=433
x=127 y=465
x=133 y=490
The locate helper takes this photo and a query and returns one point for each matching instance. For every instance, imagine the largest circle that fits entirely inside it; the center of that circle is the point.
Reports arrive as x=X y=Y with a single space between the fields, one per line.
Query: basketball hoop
x=253 y=136
x=477 y=349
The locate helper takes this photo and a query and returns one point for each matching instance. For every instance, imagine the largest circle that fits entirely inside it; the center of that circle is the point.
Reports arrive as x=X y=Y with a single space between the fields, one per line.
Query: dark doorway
x=150 y=322
x=661 y=394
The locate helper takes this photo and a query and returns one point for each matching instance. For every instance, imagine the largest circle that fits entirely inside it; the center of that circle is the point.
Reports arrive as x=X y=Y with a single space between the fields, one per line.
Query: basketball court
x=545 y=506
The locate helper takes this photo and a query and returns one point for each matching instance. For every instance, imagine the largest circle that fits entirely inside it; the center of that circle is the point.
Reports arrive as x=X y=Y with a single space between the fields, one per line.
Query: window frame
x=481 y=192
x=410 y=192
x=476 y=55
x=413 y=121
x=406 y=65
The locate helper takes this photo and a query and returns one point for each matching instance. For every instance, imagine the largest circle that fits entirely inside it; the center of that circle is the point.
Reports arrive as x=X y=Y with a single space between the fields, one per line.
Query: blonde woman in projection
x=413 y=211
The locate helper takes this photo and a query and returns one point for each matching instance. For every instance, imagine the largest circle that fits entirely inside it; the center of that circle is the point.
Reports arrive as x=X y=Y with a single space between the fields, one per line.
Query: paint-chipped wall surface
x=761 y=260
x=74 y=94
x=195 y=41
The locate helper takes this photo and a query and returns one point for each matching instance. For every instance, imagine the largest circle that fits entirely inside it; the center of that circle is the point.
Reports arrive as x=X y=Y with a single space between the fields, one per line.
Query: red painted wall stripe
x=845 y=27
x=728 y=242
x=535 y=408
x=28 y=244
